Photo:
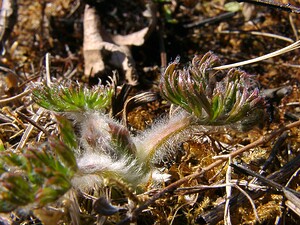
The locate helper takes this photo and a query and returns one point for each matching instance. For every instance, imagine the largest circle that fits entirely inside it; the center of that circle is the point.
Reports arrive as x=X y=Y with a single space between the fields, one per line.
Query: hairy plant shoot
x=94 y=149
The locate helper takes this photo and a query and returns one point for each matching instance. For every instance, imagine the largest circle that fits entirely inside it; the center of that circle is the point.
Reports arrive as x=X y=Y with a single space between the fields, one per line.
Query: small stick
x=221 y=17
x=201 y=187
x=245 y=170
x=273 y=4
x=33 y=122
x=280 y=141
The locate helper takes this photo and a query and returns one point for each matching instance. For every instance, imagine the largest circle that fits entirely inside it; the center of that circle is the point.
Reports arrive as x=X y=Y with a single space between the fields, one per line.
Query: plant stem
x=161 y=135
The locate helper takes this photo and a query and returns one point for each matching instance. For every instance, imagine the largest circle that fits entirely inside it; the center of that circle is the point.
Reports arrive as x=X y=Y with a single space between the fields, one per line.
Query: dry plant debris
x=158 y=140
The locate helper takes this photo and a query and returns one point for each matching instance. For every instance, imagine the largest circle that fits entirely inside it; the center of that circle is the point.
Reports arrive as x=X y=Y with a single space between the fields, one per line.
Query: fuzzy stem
x=160 y=135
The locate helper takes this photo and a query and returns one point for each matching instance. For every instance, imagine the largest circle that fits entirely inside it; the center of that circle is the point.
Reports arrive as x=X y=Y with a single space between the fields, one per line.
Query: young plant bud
x=215 y=98
x=73 y=98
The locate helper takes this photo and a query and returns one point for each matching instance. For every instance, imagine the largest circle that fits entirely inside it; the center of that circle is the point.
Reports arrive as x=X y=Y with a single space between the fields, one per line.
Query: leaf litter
x=196 y=190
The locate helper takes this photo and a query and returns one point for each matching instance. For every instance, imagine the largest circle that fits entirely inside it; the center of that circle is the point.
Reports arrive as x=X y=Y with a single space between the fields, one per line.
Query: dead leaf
x=97 y=42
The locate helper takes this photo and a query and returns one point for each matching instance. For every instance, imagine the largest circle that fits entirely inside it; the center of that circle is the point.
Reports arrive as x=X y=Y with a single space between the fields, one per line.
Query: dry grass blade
x=250 y=200
x=227 y=219
x=135 y=101
x=293 y=202
x=48 y=64
x=289 y=48
x=29 y=129
x=257 y=33
x=6 y=100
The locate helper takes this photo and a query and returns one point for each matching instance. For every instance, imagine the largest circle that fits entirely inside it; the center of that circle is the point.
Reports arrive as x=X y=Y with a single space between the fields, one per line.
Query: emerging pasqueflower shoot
x=73 y=98
x=214 y=97
x=94 y=149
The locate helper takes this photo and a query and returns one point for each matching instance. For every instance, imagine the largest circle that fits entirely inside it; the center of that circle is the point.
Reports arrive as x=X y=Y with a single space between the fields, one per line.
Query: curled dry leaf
x=97 y=42
x=8 y=17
